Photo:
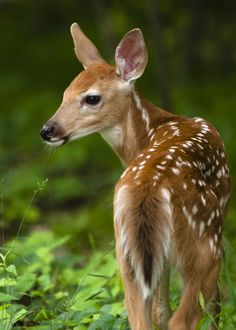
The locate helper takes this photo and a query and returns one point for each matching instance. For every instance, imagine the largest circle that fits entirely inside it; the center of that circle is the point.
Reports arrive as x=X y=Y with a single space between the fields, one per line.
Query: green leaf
x=6 y=298
x=4 y=312
x=61 y=295
x=45 y=282
x=42 y=316
x=204 y=323
x=6 y=324
x=45 y=254
x=19 y=315
x=5 y=282
x=12 y=270
x=114 y=309
x=25 y=283
x=202 y=301
x=106 y=321
x=3 y=258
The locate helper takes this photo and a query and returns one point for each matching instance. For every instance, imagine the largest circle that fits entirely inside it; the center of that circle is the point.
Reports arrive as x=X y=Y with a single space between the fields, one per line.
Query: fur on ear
x=85 y=50
x=131 y=56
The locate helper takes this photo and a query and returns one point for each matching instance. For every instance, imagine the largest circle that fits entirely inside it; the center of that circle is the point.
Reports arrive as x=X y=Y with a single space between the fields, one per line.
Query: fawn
x=170 y=201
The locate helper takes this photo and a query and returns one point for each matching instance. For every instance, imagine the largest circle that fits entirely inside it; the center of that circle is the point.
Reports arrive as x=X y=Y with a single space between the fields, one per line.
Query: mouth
x=57 y=142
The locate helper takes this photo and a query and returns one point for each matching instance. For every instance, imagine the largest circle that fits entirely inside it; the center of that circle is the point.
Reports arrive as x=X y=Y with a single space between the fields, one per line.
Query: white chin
x=56 y=143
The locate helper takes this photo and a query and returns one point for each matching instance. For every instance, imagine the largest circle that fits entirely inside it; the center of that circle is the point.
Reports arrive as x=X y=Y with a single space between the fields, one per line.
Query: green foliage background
x=191 y=71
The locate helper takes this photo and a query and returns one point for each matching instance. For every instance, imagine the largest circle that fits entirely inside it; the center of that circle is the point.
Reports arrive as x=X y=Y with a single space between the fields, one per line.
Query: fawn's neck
x=135 y=128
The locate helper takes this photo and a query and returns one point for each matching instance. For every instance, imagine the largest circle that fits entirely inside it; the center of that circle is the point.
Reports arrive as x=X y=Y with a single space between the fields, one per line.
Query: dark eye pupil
x=92 y=99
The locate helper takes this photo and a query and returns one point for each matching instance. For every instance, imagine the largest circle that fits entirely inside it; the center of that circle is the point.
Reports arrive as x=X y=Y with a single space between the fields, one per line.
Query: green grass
x=45 y=286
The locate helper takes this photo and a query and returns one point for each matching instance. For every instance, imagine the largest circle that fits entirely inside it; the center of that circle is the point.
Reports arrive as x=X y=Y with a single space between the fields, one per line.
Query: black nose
x=47 y=131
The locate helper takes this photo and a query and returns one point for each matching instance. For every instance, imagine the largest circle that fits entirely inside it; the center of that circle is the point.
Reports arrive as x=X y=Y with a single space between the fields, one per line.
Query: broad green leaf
x=87 y=320
x=45 y=254
x=85 y=304
x=45 y=282
x=106 y=321
x=6 y=298
x=121 y=324
x=19 y=315
x=6 y=324
x=12 y=270
x=5 y=282
x=25 y=283
x=114 y=308
x=4 y=314
x=79 y=317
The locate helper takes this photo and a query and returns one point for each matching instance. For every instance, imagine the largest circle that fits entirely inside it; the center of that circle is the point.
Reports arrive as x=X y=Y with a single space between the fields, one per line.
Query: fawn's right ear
x=85 y=50
x=131 y=56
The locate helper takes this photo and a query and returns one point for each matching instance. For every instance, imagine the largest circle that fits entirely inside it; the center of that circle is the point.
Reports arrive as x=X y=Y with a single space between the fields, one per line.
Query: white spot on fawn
x=144 y=113
x=175 y=171
x=201 y=228
x=160 y=167
x=195 y=209
x=142 y=163
x=211 y=243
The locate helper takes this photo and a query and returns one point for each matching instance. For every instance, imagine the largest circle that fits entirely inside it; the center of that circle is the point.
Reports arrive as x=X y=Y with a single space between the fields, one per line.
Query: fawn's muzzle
x=53 y=134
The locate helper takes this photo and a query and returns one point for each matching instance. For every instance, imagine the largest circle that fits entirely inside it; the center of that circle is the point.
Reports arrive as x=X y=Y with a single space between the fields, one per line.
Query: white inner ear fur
x=120 y=65
x=130 y=66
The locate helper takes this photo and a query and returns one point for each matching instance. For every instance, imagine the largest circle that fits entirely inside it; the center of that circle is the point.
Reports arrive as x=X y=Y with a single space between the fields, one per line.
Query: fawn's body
x=170 y=202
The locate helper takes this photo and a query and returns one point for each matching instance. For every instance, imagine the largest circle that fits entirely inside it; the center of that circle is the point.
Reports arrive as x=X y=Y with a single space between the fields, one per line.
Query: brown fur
x=170 y=202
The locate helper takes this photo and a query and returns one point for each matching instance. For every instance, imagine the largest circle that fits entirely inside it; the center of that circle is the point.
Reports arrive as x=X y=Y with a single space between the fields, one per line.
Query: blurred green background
x=191 y=71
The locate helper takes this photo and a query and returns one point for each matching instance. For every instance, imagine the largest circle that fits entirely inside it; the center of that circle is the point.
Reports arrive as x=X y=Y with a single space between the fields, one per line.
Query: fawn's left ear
x=85 y=50
x=131 y=55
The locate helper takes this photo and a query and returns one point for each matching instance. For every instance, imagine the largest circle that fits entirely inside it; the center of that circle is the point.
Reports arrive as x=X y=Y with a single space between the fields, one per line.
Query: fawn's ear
x=85 y=50
x=131 y=55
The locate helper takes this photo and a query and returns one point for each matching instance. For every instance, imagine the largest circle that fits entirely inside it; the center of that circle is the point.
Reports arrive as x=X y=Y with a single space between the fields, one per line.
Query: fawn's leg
x=201 y=277
x=161 y=311
x=212 y=295
x=209 y=289
x=138 y=308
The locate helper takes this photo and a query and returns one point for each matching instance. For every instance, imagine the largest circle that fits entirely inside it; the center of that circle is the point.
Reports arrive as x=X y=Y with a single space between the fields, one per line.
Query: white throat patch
x=113 y=136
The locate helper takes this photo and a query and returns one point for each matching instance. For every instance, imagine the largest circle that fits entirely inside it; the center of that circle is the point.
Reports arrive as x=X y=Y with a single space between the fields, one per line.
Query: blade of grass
x=41 y=186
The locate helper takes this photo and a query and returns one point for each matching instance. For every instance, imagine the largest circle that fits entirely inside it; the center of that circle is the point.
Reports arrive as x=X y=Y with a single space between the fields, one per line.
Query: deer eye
x=92 y=99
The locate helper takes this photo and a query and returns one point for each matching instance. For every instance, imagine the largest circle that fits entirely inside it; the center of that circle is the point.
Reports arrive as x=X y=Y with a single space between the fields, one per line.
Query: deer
x=170 y=201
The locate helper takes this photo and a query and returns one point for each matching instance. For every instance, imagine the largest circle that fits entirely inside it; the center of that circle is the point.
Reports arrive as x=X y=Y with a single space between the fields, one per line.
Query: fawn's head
x=97 y=98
